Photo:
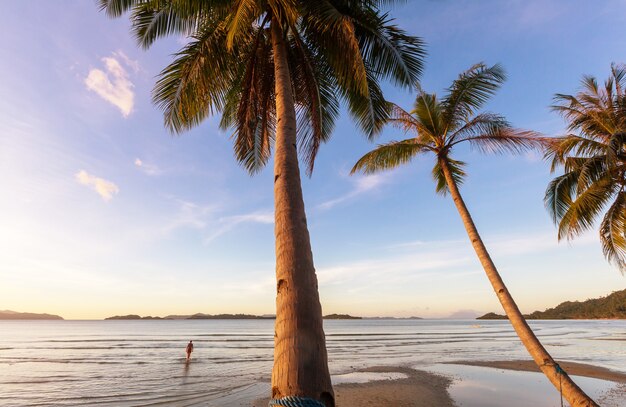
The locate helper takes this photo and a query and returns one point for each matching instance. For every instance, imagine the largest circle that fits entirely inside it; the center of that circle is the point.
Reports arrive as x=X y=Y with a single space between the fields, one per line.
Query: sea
x=142 y=362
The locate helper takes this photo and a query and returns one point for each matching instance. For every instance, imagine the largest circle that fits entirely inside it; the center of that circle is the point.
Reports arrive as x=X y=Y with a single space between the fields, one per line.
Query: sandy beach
x=424 y=388
x=418 y=389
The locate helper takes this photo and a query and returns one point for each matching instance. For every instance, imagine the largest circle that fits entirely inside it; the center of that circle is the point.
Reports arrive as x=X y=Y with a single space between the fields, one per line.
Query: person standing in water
x=189 y=349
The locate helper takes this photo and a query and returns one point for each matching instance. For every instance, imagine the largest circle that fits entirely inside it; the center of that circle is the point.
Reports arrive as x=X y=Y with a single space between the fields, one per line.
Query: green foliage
x=594 y=164
x=612 y=306
x=492 y=315
x=336 y=49
x=437 y=125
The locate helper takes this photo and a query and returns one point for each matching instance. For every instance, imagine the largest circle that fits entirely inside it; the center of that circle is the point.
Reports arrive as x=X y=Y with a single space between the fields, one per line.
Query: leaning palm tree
x=276 y=71
x=594 y=163
x=439 y=125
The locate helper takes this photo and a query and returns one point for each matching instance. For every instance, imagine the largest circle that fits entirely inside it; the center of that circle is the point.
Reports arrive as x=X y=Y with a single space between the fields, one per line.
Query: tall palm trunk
x=542 y=358
x=300 y=359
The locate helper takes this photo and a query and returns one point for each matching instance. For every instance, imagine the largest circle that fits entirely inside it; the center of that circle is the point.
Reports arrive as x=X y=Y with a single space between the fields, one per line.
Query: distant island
x=219 y=316
x=194 y=316
x=612 y=306
x=229 y=316
x=13 y=315
x=340 y=316
x=393 y=318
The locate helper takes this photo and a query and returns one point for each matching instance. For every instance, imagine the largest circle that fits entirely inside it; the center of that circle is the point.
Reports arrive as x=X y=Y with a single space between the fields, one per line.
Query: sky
x=106 y=213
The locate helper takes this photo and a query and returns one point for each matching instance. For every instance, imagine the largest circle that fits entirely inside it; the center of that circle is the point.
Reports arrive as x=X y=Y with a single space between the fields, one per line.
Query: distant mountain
x=392 y=318
x=6 y=314
x=340 y=316
x=612 y=306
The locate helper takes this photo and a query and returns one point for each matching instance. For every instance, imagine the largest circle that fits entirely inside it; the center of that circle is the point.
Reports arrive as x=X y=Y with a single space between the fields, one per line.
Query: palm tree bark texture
x=299 y=343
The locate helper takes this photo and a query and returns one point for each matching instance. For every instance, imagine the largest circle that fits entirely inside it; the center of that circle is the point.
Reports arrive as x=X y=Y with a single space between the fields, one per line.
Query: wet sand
x=445 y=383
x=572 y=368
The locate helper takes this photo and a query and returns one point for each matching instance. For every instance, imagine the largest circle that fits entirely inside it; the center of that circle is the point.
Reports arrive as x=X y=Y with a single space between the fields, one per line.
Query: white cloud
x=434 y=260
x=397 y=270
x=114 y=86
x=205 y=218
x=132 y=63
x=190 y=215
x=256 y=217
x=106 y=189
x=225 y=224
x=360 y=185
x=149 y=169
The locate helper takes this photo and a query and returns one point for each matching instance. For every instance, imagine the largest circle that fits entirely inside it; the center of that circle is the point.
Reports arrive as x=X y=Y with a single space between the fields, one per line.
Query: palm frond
x=612 y=232
x=389 y=155
x=582 y=211
x=615 y=149
x=491 y=133
x=316 y=99
x=242 y=14
x=333 y=32
x=591 y=111
x=361 y=46
x=403 y=120
x=457 y=171
x=557 y=149
x=590 y=170
x=559 y=195
x=594 y=161
x=155 y=19
x=618 y=71
x=194 y=86
x=429 y=112
x=369 y=112
x=590 y=85
x=287 y=12
x=116 y=8
x=390 y=52
x=251 y=107
x=471 y=91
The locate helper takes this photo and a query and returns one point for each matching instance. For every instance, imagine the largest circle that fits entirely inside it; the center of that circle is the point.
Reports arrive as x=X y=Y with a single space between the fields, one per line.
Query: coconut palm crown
x=593 y=158
x=276 y=70
x=437 y=127
x=336 y=50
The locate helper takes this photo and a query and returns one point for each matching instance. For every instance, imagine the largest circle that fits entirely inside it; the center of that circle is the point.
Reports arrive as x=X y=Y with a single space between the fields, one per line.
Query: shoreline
x=422 y=386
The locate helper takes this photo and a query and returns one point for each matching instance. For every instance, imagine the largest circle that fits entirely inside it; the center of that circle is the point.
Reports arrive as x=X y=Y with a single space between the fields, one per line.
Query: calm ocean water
x=142 y=363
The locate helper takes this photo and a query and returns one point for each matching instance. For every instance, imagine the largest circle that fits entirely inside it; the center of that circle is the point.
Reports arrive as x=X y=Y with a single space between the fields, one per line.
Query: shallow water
x=142 y=363
x=476 y=386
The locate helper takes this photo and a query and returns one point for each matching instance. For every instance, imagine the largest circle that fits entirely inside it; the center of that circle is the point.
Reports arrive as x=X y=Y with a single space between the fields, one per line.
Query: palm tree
x=438 y=125
x=594 y=162
x=276 y=71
